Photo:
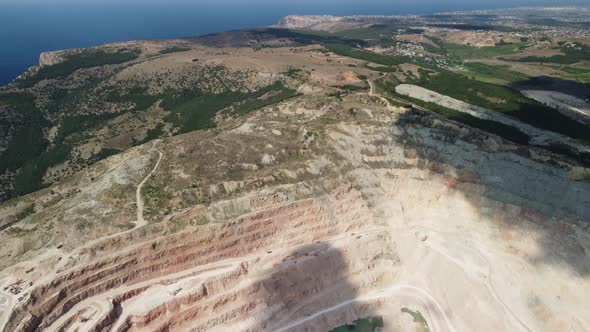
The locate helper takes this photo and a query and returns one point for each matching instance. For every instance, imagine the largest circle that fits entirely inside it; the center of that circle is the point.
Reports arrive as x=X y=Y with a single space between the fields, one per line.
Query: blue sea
x=29 y=27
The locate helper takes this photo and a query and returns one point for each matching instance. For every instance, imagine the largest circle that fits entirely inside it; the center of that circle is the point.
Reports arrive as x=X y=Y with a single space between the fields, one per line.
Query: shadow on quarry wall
x=521 y=196
x=304 y=291
x=574 y=88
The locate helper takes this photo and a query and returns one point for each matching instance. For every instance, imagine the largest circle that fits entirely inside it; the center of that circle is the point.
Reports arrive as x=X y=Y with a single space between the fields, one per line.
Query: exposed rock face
x=571 y=106
x=538 y=136
x=359 y=214
x=51 y=58
x=304 y=22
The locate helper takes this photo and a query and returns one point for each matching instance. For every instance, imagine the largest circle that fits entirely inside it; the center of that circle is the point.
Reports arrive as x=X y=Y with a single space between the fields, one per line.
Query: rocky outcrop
x=307 y=21
x=51 y=58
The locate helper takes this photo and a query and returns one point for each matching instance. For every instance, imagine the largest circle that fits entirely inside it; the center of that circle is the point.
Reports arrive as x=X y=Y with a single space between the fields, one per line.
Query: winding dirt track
x=139 y=201
x=101 y=306
x=372 y=92
x=412 y=293
x=441 y=245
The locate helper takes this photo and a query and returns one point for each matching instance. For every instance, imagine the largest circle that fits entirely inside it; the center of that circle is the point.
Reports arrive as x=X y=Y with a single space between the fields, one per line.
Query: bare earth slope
x=311 y=216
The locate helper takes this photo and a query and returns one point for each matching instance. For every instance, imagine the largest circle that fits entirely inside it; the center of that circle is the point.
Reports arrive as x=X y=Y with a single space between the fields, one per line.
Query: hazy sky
x=313 y=3
x=262 y=7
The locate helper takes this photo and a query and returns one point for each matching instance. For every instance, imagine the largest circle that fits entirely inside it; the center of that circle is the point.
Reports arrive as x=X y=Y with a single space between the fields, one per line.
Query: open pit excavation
x=282 y=180
x=380 y=213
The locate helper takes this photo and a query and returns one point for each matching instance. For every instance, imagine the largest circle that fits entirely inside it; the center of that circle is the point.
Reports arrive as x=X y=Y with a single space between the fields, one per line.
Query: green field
x=572 y=53
x=497 y=74
x=573 y=70
x=581 y=74
x=470 y=52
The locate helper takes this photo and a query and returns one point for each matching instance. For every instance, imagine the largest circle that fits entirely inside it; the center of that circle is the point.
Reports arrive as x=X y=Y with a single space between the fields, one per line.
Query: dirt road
x=139 y=201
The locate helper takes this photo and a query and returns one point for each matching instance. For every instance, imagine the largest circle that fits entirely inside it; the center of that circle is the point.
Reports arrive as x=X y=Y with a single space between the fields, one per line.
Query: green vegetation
x=190 y=110
x=573 y=73
x=502 y=42
x=311 y=37
x=27 y=151
x=362 y=325
x=294 y=72
x=505 y=131
x=265 y=97
x=573 y=53
x=104 y=153
x=152 y=134
x=417 y=316
x=136 y=96
x=79 y=123
x=194 y=110
x=28 y=142
x=374 y=31
x=68 y=100
x=157 y=198
x=30 y=177
x=502 y=99
x=475 y=25
x=470 y=52
x=27 y=211
x=350 y=87
x=361 y=54
x=86 y=59
x=377 y=32
x=437 y=48
x=383 y=69
x=500 y=74
x=573 y=70
x=174 y=49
